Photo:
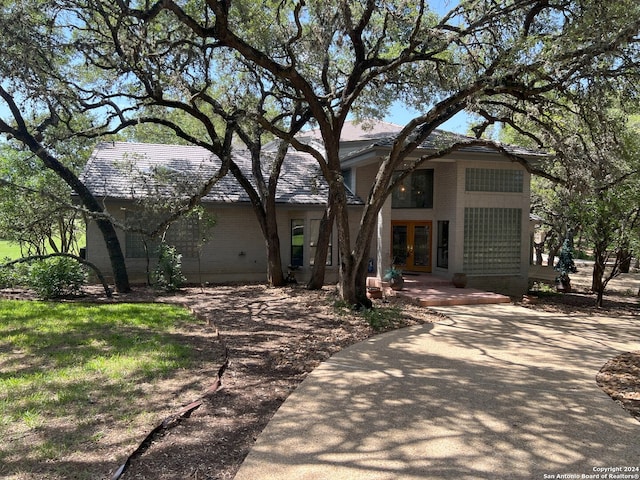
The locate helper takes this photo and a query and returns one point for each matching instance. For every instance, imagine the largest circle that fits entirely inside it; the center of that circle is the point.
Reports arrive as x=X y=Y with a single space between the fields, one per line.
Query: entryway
x=411 y=245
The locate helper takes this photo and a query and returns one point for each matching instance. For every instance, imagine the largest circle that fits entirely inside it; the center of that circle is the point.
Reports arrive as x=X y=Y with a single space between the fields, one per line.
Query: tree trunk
x=600 y=298
x=355 y=262
x=353 y=283
x=624 y=260
x=597 y=283
x=322 y=249
x=275 y=274
x=118 y=265
x=347 y=270
x=553 y=253
x=538 y=250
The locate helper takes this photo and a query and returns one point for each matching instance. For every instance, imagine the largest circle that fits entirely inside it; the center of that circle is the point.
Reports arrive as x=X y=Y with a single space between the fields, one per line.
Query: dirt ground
x=272 y=338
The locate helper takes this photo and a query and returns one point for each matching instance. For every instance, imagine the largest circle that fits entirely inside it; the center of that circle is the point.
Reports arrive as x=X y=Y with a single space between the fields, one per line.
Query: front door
x=411 y=245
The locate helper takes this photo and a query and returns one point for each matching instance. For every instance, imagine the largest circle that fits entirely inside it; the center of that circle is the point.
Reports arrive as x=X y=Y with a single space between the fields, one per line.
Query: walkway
x=491 y=392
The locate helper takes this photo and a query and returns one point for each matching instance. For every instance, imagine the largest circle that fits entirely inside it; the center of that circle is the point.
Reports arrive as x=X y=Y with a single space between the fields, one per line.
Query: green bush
x=14 y=276
x=56 y=277
x=381 y=317
x=168 y=273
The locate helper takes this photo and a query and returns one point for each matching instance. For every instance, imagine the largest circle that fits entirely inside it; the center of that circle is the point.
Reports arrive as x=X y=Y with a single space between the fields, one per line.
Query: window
x=314 y=232
x=415 y=191
x=347 y=178
x=297 y=243
x=443 y=244
x=492 y=240
x=182 y=234
x=493 y=180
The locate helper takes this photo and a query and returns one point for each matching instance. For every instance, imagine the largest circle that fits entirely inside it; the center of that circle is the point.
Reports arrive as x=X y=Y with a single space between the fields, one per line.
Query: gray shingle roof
x=123 y=170
x=441 y=139
x=360 y=138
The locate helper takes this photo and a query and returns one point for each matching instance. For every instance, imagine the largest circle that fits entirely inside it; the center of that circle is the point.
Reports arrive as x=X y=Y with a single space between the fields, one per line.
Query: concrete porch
x=429 y=290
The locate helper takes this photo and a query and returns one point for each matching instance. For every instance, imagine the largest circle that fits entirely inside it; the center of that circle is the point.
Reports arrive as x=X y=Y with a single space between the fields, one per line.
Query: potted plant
x=395 y=278
x=564 y=267
x=459 y=280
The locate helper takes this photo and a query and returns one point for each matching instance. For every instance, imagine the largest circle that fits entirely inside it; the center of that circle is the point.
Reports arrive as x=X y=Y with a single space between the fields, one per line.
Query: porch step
x=448 y=296
x=432 y=291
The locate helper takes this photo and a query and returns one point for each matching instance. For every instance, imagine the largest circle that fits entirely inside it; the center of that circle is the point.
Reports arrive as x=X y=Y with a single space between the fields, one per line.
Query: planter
x=396 y=283
x=374 y=292
x=459 y=280
x=563 y=286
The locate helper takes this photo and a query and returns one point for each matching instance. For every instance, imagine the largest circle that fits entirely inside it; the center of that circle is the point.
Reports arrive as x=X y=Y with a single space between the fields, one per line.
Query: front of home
x=467 y=212
x=132 y=179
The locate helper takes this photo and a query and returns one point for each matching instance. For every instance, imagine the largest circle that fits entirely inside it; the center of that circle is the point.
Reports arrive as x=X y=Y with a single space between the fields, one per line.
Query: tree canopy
x=245 y=69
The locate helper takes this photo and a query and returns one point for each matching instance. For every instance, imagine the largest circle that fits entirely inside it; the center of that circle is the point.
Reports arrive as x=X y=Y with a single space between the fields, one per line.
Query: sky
x=401 y=115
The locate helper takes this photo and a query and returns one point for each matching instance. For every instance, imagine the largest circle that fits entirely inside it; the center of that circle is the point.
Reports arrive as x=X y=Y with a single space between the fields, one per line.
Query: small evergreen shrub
x=565 y=264
x=56 y=277
x=168 y=273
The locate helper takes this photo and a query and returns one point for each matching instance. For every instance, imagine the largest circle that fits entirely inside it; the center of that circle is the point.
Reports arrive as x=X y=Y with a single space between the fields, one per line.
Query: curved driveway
x=490 y=392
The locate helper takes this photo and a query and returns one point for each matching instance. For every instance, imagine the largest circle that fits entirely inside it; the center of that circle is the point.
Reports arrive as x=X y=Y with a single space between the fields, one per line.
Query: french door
x=411 y=245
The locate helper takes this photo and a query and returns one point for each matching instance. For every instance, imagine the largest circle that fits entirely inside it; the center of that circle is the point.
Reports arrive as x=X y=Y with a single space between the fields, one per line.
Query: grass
x=378 y=317
x=66 y=368
x=12 y=251
x=9 y=250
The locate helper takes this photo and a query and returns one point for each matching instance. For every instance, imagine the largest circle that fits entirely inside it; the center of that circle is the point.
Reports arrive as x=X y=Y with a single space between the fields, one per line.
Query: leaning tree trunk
x=120 y=276
x=118 y=265
x=322 y=249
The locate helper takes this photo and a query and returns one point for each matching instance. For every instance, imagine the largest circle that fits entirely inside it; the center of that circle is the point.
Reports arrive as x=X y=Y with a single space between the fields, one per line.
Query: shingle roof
x=130 y=171
x=368 y=135
x=440 y=138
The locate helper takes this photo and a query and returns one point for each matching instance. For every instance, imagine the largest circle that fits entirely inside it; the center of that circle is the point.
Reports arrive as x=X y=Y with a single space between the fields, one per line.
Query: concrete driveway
x=490 y=392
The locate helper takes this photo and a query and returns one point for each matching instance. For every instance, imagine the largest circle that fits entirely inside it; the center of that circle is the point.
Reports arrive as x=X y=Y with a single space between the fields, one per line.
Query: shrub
x=565 y=264
x=168 y=273
x=381 y=317
x=57 y=276
x=14 y=275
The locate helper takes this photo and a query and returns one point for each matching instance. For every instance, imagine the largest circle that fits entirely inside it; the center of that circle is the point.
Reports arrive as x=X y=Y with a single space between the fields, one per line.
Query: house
x=466 y=212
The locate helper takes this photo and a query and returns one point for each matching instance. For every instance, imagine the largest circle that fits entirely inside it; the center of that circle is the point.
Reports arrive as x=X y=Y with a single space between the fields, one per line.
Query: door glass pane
x=421 y=246
x=400 y=245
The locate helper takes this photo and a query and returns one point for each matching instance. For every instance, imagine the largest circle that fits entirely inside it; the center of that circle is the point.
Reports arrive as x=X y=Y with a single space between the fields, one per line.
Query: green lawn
x=69 y=373
x=12 y=250
x=9 y=250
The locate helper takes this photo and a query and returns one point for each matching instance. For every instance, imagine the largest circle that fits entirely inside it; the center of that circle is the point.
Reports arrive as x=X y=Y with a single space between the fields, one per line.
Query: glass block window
x=493 y=180
x=182 y=234
x=492 y=240
x=415 y=191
